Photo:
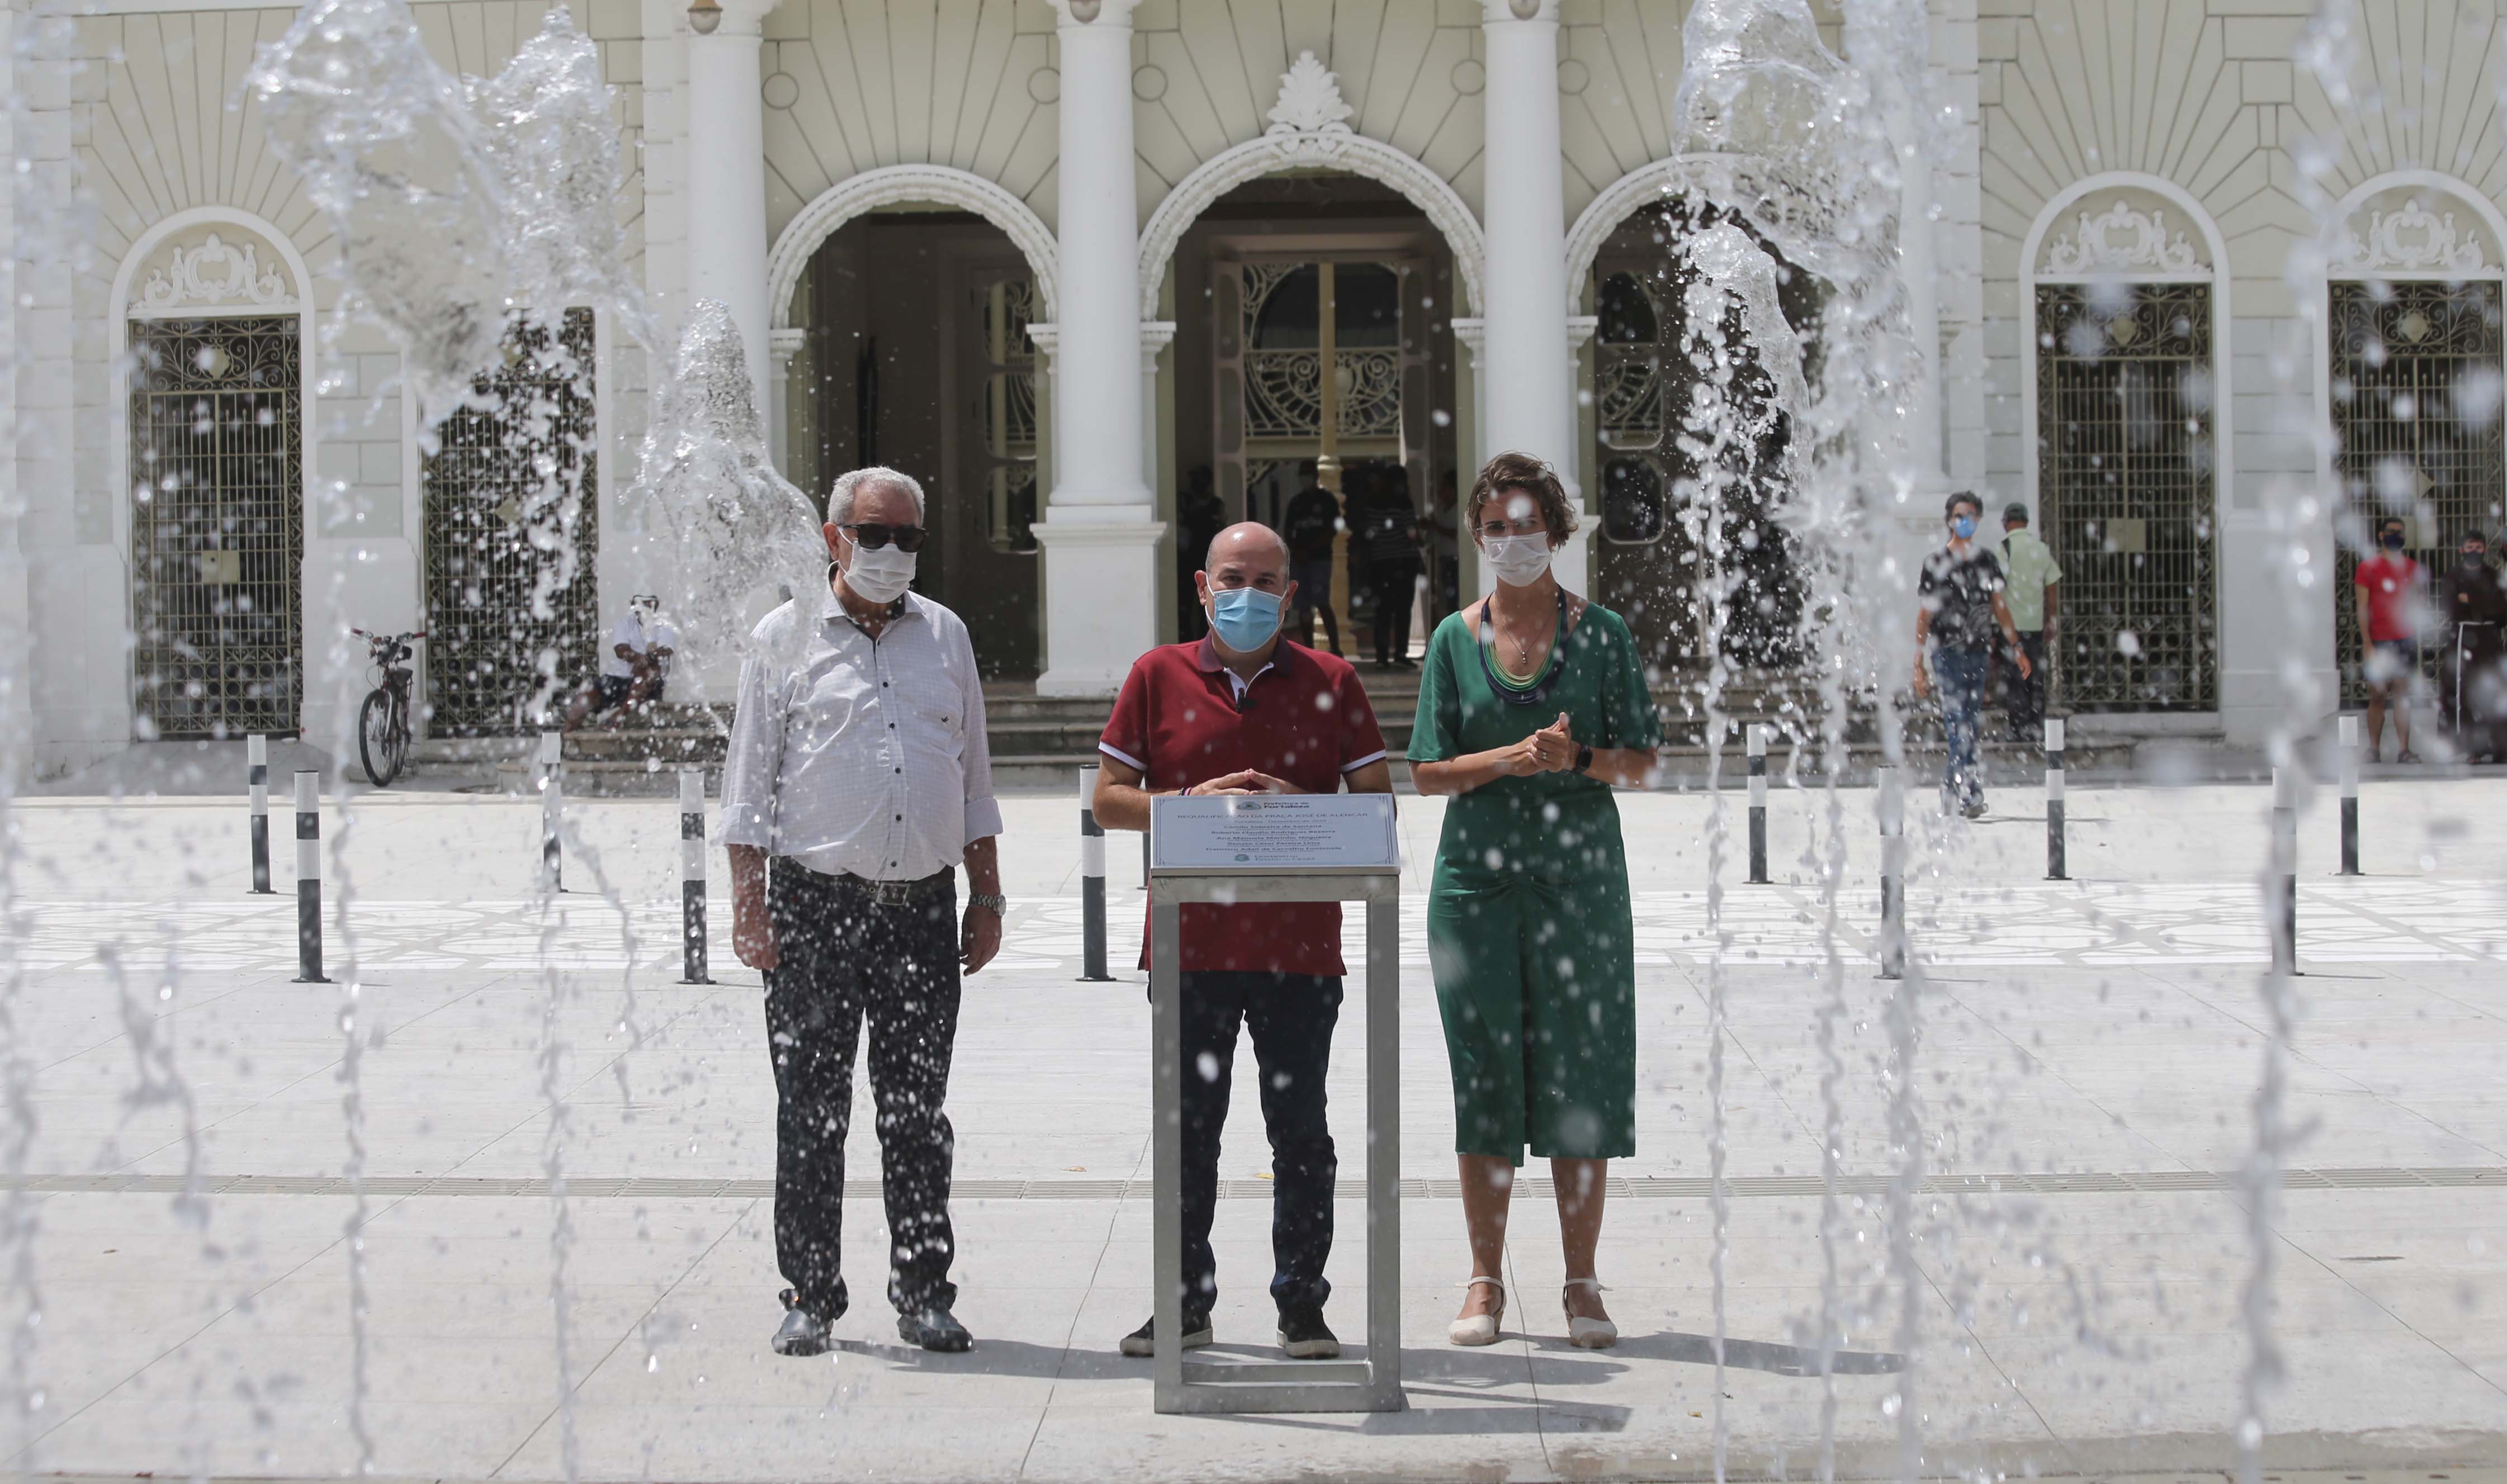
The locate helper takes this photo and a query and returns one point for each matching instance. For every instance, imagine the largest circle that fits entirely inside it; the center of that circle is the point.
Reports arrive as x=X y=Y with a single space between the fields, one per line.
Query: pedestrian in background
x=2032 y=590
x=2473 y=681
x=1312 y=526
x=1959 y=607
x=856 y=784
x=2389 y=598
x=1391 y=540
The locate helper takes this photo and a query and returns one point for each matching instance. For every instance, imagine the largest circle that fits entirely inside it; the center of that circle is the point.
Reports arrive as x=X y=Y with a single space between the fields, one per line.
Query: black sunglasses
x=872 y=535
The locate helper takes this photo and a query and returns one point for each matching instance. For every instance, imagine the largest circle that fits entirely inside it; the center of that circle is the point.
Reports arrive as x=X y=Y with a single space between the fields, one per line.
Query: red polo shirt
x=1304 y=720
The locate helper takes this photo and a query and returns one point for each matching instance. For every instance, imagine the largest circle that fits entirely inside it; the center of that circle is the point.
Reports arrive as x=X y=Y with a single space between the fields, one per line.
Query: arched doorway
x=916 y=355
x=1280 y=282
x=1652 y=558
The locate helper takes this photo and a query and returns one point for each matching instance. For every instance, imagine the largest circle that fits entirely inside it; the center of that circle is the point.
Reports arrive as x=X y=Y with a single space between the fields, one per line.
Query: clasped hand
x=1244 y=781
x=1551 y=750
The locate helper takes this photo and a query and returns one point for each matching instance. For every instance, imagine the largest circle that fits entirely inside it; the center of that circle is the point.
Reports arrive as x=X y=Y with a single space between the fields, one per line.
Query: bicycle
x=383 y=722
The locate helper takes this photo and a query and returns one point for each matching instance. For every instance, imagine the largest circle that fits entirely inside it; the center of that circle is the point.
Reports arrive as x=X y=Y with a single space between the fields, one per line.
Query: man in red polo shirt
x=1241 y=711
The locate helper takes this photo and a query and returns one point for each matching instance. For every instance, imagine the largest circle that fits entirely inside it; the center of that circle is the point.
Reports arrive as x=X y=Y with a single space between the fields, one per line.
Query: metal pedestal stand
x=1371 y=1385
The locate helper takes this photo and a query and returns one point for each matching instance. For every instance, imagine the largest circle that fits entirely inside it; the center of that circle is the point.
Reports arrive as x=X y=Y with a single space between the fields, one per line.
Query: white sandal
x=1587 y=1335
x=1479 y=1328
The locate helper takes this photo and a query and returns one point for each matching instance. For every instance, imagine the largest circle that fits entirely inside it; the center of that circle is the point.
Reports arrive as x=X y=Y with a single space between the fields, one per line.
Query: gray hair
x=840 y=500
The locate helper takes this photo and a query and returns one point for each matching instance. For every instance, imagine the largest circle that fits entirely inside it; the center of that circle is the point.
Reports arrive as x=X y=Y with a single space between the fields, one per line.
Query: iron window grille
x=2125 y=456
x=511 y=528
x=217 y=544
x=2403 y=352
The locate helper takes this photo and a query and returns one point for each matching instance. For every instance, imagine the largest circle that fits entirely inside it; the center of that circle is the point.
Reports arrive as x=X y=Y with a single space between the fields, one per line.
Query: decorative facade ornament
x=1309 y=101
x=215 y=275
x=2121 y=240
x=2412 y=239
x=1309 y=127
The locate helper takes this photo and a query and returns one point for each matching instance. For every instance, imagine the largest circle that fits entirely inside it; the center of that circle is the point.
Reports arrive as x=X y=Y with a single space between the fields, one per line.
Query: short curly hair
x=1512 y=471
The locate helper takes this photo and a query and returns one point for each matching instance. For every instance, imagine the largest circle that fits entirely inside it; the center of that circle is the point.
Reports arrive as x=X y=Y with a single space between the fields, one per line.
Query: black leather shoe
x=1305 y=1336
x=933 y=1327
x=802 y=1333
x=1142 y=1343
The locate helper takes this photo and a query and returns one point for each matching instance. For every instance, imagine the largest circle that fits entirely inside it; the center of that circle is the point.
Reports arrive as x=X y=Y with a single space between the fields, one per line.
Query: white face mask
x=1518 y=560
x=879 y=576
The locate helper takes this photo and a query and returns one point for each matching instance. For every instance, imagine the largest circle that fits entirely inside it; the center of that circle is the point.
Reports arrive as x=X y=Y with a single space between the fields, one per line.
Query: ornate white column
x=782 y=345
x=724 y=158
x=1530 y=399
x=1916 y=272
x=1471 y=444
x=1101 y=529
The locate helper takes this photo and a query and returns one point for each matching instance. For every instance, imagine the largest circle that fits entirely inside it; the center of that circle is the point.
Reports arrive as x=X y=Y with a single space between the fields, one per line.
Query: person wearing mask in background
x=857 y=781
x=2473 y=680
x=2388 y=601
x=1242 y=711
x=1444 y=536
x=633 y=671
x=1312 y=526
x=1393 y=565
x=2033 y=593
x=1532 y=707
x=1959 y=607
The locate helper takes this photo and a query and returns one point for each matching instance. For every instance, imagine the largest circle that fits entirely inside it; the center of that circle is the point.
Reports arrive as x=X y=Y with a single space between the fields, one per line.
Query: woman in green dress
x=1532 y=705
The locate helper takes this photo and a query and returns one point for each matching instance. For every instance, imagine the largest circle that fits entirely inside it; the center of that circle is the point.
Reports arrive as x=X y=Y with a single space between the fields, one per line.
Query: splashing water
x=1734 y=283
x=392 y=157
x=725 y=532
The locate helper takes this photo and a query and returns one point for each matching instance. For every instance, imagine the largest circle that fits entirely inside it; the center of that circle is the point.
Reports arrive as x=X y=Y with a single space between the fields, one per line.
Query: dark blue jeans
x=1958 y=679
x=1290 y=1017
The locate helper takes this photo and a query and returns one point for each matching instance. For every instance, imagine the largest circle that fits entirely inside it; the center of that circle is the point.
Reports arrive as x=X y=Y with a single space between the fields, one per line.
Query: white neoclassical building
x=1104 y=273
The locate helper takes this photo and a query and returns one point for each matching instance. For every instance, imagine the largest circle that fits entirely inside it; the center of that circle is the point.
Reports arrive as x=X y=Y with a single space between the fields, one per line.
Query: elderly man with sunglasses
x=858 y=780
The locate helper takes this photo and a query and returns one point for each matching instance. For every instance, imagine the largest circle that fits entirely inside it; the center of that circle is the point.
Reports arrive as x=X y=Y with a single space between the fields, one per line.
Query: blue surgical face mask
x=1965 y=525
x=2394 y=540
x=1245 y=618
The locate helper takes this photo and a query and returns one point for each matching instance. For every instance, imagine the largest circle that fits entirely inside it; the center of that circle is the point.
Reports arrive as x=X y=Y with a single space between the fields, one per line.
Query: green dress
x=1530 y=934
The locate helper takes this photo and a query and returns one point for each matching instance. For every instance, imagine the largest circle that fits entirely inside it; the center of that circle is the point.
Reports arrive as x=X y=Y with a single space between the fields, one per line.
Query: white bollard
x=1758 y=736
x=2280 y=893
x=2350 y=795
x=552 y=770
x=308 y=879
x=1892 y=876
x=256 y=777
x=692 y=877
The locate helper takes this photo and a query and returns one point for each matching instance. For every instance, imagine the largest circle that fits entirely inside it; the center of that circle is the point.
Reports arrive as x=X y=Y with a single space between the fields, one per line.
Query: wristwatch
x=1583 y=758
x=1000 y=904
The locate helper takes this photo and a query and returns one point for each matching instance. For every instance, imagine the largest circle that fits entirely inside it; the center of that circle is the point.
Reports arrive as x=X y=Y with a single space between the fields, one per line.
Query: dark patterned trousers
x=843 y=958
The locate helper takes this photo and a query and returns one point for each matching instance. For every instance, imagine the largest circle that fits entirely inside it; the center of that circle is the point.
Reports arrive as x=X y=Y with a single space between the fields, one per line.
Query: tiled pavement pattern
x=2086 y=1068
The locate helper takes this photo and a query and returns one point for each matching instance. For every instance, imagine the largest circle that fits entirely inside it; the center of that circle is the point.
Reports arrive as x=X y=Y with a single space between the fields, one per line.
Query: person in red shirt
x=2390 y=602
x=1240 y=711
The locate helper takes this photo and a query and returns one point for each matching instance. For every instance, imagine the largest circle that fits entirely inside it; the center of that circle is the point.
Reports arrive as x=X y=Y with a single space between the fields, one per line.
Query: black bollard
x=2054 y=799
x=2350 y=795
x=256 y=777
x=1892 y=876
x=2281 y=890
x=1758 y=734
x=308 y=879
x=692 y=876
x=552 y=770
x=1092 y=880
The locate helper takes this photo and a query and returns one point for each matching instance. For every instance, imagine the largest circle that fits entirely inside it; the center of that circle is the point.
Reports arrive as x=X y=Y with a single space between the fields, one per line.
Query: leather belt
x=900 y=893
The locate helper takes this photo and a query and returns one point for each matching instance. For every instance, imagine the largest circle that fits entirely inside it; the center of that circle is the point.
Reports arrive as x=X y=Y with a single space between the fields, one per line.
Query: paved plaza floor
x=2071 y=1273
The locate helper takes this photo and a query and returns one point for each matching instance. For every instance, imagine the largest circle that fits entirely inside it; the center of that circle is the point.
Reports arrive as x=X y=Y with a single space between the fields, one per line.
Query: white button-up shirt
x=869 y=758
